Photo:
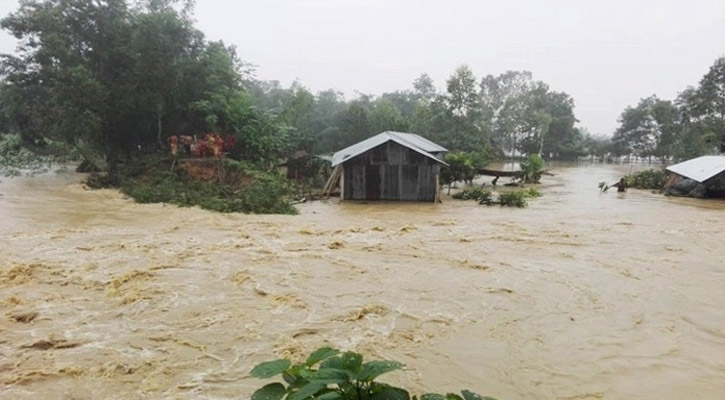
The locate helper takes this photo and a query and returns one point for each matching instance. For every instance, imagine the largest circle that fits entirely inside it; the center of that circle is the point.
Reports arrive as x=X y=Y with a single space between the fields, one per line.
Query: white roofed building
x=699 y=177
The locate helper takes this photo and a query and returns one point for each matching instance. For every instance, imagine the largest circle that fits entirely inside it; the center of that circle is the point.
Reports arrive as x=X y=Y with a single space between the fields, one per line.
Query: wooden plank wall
x=390 y=172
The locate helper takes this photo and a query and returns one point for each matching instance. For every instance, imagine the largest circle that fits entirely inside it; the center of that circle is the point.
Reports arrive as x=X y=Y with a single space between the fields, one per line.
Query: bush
x=460 y=167
x=513 y=199
x=650 y=179
x=328 y=374
x=473 y=193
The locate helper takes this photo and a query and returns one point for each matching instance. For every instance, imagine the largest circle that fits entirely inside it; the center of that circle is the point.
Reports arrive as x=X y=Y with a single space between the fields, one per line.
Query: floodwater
x=582 y=295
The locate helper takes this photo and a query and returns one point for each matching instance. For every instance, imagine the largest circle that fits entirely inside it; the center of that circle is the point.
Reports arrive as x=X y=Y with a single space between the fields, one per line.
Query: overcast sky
x=606 y=54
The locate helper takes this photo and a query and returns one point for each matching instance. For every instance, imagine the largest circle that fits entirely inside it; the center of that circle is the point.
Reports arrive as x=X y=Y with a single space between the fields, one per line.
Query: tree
x=648 y=129
x=460 y=167
x=710 y=97
x=462 y=102
x=104 y=76
x=75 y=56
x=503 y=100
x=425 y=88
x=385 y=116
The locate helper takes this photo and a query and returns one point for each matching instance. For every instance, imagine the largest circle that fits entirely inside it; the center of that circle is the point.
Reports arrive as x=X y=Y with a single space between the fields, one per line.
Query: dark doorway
x=372 y=181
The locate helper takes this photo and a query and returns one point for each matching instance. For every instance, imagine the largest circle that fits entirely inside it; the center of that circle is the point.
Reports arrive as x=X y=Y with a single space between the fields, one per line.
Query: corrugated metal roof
x=700 y=169
x=412 y=141
x=419 y=141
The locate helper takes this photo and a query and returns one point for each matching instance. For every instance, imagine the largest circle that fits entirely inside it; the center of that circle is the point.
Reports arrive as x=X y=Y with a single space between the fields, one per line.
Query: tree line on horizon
x=114 y=78
x=691 y=125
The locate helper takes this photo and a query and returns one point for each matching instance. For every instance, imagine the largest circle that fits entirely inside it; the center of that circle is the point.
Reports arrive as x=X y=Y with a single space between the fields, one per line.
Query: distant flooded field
x=582 y=295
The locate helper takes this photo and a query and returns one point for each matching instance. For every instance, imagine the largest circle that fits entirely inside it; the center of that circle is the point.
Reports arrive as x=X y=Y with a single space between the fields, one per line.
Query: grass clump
x=652 y=179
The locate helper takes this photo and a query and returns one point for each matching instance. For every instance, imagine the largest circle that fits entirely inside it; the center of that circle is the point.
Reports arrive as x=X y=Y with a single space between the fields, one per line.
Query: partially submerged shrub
x=649 y=179
x=532 y=193
x=472 y=193
x=532 y=168
x=16 y=160
x=149 y=180
x=513 y=199
x=510 y=199
x=328 y=374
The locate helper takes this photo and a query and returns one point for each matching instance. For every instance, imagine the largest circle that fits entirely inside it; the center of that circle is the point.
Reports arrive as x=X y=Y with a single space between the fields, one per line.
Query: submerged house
x=700 y=177
x=390 y=166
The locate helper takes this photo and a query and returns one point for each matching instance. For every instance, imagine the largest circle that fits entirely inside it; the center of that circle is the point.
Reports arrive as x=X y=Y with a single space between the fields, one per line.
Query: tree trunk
x=541 y=143
x=513 y=147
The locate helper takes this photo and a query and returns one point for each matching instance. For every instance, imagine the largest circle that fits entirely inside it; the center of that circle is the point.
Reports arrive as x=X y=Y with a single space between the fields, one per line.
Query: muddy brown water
x=582 y=295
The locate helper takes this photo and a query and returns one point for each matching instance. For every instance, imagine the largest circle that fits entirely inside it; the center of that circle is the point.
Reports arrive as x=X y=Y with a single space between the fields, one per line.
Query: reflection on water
x=583 y=295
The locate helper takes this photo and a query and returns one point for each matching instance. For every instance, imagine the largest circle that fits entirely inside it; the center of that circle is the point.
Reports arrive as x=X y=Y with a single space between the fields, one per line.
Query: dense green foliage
x=460 y=167
x=692 y=125
x=328 y=374
x=490 y=116
x=151 y=180
x=650 y=179
x=118 y=79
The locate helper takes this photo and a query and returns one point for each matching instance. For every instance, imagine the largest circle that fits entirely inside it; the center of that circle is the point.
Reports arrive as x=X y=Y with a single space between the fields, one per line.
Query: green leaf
x=351 y=361
x=289 y=378
x=270 y=368
x=453 y=396
x=321 y=354
x=330 y=375
x=273 y=391
x=468 y=395
x=307 y=391
x=329 y=396
x=372 y=369
x=432 y=396
x=391 y=393
x=332 y=362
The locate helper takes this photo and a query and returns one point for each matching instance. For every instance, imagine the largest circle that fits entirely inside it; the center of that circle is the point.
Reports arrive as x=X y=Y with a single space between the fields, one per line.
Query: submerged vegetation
x=328 y=374
x=16 y=159
x=652 y=179
x=532 y=168
x=473 y=193
x=514 y=198
x=233 y=187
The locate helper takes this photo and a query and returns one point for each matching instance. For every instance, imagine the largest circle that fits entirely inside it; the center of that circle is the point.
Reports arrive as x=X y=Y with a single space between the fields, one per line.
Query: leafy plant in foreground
x=328 y=374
